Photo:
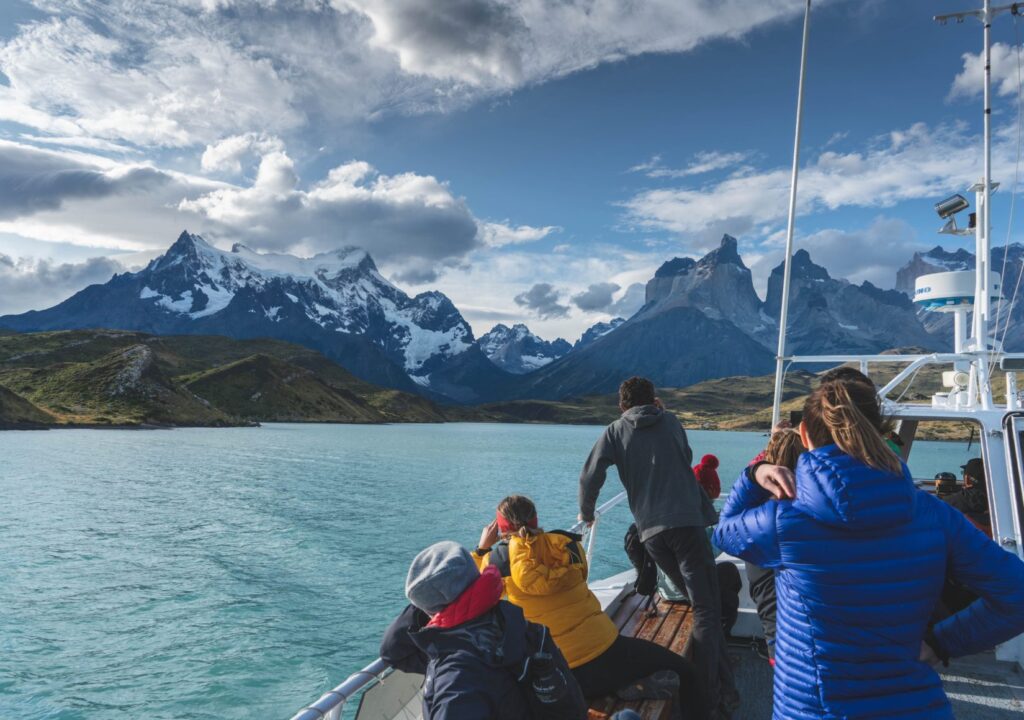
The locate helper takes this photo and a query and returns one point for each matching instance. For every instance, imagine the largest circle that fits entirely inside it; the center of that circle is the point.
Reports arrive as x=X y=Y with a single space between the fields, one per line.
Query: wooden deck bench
x=670 y=628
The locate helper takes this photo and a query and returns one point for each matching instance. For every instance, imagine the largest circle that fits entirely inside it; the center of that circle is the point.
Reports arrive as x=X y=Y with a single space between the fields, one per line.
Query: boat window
x=940 y=446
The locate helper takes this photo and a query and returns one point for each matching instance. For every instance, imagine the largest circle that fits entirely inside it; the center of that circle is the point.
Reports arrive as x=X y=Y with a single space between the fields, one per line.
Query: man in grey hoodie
x=648 y=447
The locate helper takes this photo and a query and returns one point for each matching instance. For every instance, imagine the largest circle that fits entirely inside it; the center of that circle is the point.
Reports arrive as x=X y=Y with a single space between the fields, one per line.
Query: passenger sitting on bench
x=545 y=574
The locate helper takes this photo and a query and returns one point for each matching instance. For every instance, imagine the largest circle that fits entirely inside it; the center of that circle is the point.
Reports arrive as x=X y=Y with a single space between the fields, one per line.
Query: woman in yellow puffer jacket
x=545 y=574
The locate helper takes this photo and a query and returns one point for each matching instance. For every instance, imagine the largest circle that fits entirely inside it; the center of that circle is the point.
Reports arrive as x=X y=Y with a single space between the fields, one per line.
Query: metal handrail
x=334 y=700
x=590 y=529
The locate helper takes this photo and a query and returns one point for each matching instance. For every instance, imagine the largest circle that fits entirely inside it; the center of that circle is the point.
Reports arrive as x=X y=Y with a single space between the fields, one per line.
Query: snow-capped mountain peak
x=517 y=350
x=597 y=330
x=339 y=292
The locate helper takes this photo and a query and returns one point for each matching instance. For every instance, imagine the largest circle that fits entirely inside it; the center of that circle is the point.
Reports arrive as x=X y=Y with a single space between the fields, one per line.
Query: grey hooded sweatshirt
x=649 y=449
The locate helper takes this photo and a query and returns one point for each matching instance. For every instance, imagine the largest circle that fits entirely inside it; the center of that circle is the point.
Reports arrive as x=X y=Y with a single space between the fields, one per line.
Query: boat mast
x=983 y=249
x=780 y=356
x=980 y=343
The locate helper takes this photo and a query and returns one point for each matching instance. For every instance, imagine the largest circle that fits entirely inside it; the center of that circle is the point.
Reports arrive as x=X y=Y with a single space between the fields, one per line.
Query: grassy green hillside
x=261 y=387
x=733 y=403
x=123 y=387
x=723 y=403
x=101 y=377
x=17 y=412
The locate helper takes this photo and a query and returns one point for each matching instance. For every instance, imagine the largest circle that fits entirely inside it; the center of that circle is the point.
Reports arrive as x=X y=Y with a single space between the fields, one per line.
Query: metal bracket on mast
x=959 y=17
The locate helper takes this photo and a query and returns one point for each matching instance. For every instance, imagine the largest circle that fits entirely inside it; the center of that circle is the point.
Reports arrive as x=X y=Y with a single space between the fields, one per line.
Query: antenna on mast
x=979 y=341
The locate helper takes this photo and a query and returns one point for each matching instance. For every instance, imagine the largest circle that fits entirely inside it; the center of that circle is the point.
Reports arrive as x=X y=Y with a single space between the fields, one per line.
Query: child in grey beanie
x=438 y=575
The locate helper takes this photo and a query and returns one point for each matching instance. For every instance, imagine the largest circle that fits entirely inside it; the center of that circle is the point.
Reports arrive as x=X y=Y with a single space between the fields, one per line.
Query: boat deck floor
x=667 y=624
x=979 y=687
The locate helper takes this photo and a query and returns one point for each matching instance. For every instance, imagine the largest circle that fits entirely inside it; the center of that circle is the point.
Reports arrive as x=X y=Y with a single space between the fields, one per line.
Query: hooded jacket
x=547 y=577
x=472 y=670
x=860 y=557
x=649 y=449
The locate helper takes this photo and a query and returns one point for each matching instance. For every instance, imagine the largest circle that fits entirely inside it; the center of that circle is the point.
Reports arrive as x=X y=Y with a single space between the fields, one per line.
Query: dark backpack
x=646 y=571
x=549 y=686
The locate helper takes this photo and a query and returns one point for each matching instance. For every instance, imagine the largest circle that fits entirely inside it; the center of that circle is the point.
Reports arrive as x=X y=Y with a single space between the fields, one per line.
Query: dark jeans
x=762 y=592
x=629 y=659
x=684 y=554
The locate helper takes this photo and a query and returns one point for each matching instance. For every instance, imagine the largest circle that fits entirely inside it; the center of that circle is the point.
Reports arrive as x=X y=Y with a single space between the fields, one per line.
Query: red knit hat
x=709 y=461
x=707 y=476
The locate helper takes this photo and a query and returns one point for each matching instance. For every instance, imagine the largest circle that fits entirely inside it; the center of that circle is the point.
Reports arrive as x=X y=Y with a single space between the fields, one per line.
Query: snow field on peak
x=340 y=291
x=423 y=344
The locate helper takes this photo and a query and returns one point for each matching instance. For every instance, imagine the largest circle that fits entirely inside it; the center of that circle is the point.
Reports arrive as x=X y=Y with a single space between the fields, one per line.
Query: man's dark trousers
x=684 y=555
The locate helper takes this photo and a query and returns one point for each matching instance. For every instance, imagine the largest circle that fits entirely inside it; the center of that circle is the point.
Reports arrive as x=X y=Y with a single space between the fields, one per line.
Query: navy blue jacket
x=472 y=671
x=860 y=557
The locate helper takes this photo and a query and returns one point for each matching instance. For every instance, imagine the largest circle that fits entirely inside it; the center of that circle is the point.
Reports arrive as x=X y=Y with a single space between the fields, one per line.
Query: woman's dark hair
x=849 y=415
x=519 y=510
x=636 y=391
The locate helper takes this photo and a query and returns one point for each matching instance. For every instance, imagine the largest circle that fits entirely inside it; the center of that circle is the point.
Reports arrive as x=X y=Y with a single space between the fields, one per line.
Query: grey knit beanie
x=439 y=575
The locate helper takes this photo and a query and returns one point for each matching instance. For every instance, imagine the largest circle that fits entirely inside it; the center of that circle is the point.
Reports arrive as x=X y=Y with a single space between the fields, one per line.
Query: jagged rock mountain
x=517 y=350
x=674 y=348
x=702 y=318
x=719 y=285
x=337 y=303
x=828 y=315
x=935 y=260
x=596 y=331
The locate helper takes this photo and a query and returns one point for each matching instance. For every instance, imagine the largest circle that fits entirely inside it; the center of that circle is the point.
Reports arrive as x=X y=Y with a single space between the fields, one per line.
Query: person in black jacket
x=480 y=657
x=972 y=500
x=649 y=449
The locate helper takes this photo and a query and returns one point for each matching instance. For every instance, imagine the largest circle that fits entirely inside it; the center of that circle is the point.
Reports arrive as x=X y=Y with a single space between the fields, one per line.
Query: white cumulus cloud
x=914 y=163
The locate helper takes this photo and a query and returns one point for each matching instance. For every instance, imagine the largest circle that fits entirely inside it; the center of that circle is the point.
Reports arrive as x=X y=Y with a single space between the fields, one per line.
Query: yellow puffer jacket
x=546 y=576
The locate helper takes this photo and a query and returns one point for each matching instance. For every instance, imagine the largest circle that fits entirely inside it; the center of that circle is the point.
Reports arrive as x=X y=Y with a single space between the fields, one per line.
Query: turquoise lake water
x=240 y=573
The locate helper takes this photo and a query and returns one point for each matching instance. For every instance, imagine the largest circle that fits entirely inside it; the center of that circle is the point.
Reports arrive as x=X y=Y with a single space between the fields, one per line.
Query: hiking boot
x=661 y=685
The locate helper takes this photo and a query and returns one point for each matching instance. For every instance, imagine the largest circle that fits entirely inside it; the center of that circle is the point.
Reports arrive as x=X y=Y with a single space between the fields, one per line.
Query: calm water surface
x=240 y=573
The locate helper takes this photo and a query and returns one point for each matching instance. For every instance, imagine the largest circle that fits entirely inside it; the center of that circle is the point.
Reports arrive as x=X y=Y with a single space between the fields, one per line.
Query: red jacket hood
x=478 y=598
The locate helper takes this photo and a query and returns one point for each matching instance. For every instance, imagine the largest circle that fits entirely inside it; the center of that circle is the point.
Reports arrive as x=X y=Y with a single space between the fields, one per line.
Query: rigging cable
x=1013 y=198
x=906 y=389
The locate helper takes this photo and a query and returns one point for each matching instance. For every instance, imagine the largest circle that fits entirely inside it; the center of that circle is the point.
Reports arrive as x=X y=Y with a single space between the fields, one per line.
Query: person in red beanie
x=707 y=476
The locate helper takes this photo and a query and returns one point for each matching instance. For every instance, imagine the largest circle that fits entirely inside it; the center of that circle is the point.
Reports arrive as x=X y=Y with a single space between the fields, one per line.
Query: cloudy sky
x=534 y=160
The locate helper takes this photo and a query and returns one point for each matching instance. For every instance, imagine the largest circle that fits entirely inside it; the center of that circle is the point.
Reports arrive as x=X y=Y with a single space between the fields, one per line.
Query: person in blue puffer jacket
x=860 y=556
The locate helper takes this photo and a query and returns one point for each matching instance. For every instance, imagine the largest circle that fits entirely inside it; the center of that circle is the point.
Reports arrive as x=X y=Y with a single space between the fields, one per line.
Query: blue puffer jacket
x=860 y=556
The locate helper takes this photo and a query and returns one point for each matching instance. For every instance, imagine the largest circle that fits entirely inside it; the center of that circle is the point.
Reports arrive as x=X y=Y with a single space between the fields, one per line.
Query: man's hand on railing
x=588 y=523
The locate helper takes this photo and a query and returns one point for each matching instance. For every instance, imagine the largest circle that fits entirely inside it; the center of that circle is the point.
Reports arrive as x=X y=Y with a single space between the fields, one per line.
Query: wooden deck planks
x=670 y=628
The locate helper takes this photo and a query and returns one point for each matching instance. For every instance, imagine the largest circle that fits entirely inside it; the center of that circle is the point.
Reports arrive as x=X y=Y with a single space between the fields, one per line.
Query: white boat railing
x=331 y=703
x=913 y=364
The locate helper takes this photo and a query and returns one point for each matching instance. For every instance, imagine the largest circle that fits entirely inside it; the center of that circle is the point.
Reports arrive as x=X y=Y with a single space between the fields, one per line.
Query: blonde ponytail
x=848 y=414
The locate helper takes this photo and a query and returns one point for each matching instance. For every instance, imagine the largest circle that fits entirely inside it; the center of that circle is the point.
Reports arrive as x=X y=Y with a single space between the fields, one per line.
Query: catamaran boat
x=985 y=686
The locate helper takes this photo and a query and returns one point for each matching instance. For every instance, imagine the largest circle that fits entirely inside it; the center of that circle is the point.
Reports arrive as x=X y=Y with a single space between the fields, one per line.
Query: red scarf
x=507 y=527
x=478 y=598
